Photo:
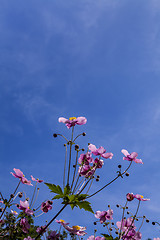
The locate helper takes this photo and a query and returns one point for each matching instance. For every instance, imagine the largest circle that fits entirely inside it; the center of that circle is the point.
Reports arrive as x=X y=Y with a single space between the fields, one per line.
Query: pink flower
x=25 y=207
x=20 y=175
x=62 y=222
x=104 y=215
x=130 y=196
x=140 y=197
x=40 y=229
x=53 y=235
x=92 y=237
x=131 y=157
x=73 y=121
x=100 y=151
x=156 y=238
x=36 y=180
x=14 y=212
x=85 y=158
x=25 y=225
x=78 y=230
x=46 y=206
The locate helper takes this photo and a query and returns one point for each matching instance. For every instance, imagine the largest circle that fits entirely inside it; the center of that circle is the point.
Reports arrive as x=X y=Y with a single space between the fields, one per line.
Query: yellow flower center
x=72 y=118
x=141 y=196
x=61 y=220
x=15 y=212
x=77 y=227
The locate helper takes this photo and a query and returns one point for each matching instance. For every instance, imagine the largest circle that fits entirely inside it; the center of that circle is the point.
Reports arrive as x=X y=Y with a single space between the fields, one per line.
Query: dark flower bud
x=1 y=209
x=147 y=220
x=64 y=145
x=88 y=144
x=83 y=134
x=50 y=202
x=127 y=174
x=119 y=166
x=109 y=206
x=127 y=212
x=12 y=195
x=34 y=209
x=27 y=199
x=76 y=147
x=126 y=207
x=54 y=135
x=83 y=149
x=95 y=230
x=97 y=179
x=153 y=223
x=110 y=229
x=18 y=205
x=117 y=205
x=116 y=232
x=20 y=195
x=112 y=223
x=98 y=176
x=95 y=223
x=74 y=166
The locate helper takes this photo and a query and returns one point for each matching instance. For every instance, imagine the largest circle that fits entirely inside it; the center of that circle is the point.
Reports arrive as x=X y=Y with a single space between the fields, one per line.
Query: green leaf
x=85 y=205
x=82 y=197
x=72 y=198
x=67 y=189
x=57 y=197
x=54 y=188
x=108 y=237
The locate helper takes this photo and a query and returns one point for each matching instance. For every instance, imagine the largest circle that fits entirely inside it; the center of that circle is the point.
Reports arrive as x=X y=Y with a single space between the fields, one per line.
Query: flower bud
x=12 y=195
x=119 y=166
x=76 y=147
x=20 y=195
x=127 y=174
x=153 y=223
x=54 y=135
x=83 y=134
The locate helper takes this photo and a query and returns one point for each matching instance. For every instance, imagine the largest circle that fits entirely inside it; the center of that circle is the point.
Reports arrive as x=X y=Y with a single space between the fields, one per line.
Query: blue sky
x=98 y=59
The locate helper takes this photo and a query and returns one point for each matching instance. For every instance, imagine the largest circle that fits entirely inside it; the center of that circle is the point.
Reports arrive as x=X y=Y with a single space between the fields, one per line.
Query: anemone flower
x=131 y=157
x=72 y=121
x=100 y=151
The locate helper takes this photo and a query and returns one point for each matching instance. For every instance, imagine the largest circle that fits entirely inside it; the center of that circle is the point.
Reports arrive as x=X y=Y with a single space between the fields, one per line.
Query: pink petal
x=138 y=160
x=133 y=155
x=18 y=172
x=81 y=120
x=62 y=119
x=107 y=155
x=33 y=179
x=98 y=214
x=125 y=152
x=92 y=148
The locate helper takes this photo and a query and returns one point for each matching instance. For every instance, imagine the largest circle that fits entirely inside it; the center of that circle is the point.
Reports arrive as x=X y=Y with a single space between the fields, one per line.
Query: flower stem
x=69 y=166
x=51 y=221
x=119 y=175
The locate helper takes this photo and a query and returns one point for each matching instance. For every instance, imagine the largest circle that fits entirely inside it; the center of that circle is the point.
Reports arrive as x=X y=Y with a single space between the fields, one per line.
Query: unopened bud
x=153 y=223
x=76 y=147
x=83 y=149
x=95 y=223
x=12 y=195
x=54 y=135
x=84 y=134
x=127 y=174
x=20 y=195
x=117 y=205
x=119 y=166
x=147 y=220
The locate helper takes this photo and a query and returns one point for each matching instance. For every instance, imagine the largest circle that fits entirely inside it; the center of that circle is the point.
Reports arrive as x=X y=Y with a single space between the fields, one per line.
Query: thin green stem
x=74 y=170
x=120 y=234
x=119 y=175
x=6 y=205
x=64 y=173
x=33 y=195
x=69 y=166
